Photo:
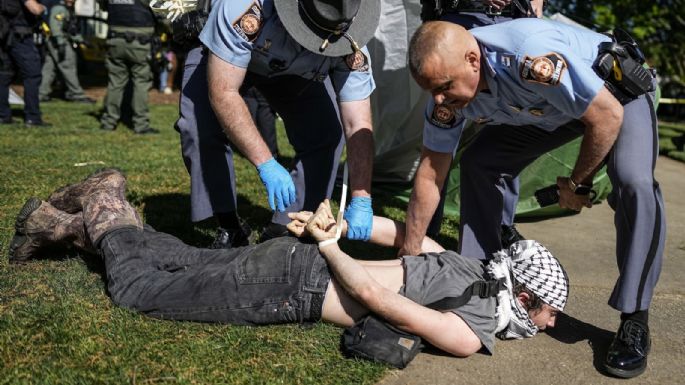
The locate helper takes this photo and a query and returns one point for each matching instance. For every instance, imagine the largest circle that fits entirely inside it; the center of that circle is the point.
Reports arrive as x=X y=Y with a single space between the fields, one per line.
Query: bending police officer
x=303 y=57
x=471 y=14
x=549 y=91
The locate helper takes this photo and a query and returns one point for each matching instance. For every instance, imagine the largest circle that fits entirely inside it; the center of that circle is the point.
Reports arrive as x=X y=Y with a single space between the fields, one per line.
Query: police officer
x=17 y=22
x=470 y=14
x=301 y=56
x=549 y=91
x=61 y=54
x=211 y=187
x=131 y=30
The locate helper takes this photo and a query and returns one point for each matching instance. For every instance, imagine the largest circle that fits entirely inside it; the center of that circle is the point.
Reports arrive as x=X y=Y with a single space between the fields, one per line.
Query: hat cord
x=336 y=32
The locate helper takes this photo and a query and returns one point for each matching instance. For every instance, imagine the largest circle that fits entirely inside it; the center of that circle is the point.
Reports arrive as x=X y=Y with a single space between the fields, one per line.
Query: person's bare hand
x=299 y=222
x=570 y=200
x=321 y=226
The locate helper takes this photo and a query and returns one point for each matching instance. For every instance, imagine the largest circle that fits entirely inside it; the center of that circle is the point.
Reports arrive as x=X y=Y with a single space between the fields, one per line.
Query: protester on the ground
x=131 y=28
x=288 y=280
x=18 y=19
x=548 y=91
x=61 y=57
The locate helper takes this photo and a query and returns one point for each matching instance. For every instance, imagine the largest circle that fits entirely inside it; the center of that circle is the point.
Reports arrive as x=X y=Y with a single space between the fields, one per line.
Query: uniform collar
x=487 y=60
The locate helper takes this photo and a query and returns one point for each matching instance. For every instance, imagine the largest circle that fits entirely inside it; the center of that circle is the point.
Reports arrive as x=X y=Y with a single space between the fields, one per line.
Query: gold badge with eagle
x=357 y=61
x=249 y=23
x=547 y=69
x=443 y=116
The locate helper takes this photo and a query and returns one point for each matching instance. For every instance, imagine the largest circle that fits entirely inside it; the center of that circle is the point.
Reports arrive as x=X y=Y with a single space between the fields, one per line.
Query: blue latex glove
x=359 y=216
x=280 y=188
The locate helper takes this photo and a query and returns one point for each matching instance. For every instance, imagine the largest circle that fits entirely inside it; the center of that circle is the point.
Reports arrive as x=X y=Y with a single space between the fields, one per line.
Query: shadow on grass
x=570 y=330
x=170 y=213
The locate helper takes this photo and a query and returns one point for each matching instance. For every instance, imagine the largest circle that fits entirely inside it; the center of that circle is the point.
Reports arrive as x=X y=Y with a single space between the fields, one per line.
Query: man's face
x=544 y=317
x=451 y=83
x=69 y=3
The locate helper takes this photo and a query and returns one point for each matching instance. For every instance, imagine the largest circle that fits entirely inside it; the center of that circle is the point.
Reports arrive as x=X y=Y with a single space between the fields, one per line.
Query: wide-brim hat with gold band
x=330 y=27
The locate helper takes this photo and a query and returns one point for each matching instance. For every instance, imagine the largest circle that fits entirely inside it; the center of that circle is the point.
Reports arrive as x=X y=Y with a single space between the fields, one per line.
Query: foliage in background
x=658 y=26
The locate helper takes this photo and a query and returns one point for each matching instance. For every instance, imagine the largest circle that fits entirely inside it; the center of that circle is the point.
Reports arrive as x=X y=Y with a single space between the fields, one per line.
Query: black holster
x=620 y=64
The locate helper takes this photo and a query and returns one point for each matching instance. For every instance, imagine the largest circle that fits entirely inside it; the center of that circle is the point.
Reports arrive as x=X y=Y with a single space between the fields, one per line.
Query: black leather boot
x=627 y=355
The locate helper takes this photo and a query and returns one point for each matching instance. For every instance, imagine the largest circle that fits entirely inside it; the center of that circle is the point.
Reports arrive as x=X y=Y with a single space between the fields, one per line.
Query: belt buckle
x=492 y=11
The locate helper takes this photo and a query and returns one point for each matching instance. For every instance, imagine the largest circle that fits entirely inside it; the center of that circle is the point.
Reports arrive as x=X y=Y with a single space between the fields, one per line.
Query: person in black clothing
x=17 y=50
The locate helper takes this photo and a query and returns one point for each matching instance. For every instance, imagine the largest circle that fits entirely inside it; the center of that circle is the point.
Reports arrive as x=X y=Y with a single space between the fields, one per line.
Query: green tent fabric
x=541 y=173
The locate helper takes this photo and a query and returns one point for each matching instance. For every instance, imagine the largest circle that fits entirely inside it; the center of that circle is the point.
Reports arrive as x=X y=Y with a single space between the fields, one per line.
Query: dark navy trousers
x=501 y=152
x=309 y=112
x=23 y=55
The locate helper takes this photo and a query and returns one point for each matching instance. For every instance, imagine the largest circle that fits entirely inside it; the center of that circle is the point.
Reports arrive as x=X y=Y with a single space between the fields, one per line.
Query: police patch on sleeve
x=357 y=61
x=443 y=116
x=547 y=69
x=248 y=24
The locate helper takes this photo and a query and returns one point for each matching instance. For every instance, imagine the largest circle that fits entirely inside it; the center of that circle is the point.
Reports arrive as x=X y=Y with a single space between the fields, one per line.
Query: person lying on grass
x=288 y=279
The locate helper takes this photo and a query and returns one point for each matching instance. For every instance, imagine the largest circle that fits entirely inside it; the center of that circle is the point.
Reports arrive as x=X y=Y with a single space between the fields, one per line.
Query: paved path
x=573 y=352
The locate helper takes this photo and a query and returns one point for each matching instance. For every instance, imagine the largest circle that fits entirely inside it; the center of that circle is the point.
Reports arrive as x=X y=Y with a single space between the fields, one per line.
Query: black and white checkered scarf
x=531 y=264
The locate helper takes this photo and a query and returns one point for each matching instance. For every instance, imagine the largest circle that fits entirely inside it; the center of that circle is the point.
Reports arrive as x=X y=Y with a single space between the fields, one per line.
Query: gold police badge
x=443 y=116
x=248 y=24
x=547 y=69
x=357 y=61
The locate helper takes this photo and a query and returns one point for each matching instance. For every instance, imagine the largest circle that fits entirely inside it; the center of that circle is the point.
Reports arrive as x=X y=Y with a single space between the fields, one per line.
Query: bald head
x=444 y=59
x=440 y=39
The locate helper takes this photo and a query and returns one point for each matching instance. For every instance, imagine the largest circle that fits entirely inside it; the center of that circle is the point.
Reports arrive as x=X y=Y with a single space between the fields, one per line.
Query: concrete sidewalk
x=573 y=352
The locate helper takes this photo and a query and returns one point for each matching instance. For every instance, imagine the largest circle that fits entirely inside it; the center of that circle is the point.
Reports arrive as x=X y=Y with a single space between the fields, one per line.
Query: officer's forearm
x=603 y=120
x=356 y=121
x=232 y=112
x=425 y=197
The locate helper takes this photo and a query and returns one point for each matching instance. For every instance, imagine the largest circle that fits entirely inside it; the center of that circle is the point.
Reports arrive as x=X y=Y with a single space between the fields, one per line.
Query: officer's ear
x=473 y=59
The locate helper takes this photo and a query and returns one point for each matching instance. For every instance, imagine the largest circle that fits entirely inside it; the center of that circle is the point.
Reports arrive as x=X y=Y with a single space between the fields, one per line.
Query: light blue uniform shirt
x=518 y=93
x=249 y=34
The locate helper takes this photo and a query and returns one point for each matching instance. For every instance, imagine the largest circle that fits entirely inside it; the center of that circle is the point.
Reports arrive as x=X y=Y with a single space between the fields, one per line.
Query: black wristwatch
x=579 y=188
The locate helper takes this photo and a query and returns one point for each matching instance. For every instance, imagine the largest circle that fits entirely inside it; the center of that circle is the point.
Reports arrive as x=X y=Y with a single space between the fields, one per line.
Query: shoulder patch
x=59 y=16
x=249 y=23
x=357 y=61
x=547 y=69
x=443 y=116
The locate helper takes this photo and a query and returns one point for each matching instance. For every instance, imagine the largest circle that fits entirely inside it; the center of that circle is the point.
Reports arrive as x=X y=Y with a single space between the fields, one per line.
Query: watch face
x=582 y=189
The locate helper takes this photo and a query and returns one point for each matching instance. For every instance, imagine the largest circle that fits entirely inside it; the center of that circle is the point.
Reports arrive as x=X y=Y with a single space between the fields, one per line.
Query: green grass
x=57 y=324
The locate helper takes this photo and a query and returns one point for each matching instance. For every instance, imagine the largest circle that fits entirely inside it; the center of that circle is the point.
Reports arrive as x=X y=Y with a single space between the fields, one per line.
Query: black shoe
x=510 y=236
x=147 y=131
x=228 y=238
x=81 y=99
x=7 y=121
x=627 y=355
x=37 y=123
x=273 y=230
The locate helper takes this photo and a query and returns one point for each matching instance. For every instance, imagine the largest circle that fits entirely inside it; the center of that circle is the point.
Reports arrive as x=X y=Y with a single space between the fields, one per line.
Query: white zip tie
x=341 y=211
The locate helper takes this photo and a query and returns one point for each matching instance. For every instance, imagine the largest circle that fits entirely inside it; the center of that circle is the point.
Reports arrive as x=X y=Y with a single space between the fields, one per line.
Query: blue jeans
x=280 y=281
